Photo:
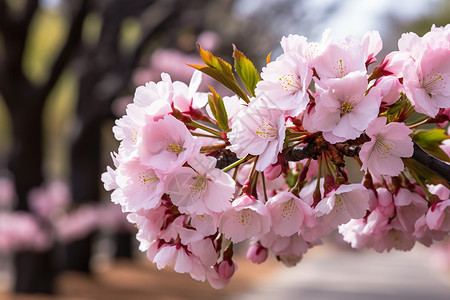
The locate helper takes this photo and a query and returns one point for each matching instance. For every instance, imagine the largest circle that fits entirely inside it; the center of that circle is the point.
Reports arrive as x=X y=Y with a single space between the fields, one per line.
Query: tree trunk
x=34 y=271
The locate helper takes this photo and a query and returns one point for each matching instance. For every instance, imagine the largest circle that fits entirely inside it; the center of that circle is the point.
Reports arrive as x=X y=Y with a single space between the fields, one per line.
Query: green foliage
x=221 y=71
x=218 y=109
x=246 y=71
x=430 y=140
x=47 y=33
x=422 y=174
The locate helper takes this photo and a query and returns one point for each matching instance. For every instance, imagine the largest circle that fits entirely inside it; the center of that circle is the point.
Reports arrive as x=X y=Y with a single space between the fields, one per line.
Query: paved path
x=347 y=275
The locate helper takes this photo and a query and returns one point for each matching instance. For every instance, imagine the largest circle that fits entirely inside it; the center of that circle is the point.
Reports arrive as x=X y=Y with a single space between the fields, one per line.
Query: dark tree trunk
x=34 y=271
x=85 y=174
x=123 y=241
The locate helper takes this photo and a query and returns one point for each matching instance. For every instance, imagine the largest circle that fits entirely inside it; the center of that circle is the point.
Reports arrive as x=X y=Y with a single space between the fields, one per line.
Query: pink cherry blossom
x=247 y=218
x=142 y=187
x=341 y=205
x=289 y=249
x=149 y=224
x=127 y=129
x=371 y=45
x=427 y=84
x=284 y=84
x=296 y=45
x=340 y=58
x=177 y=256
x=166 y=144
x=438 y=216
x=186 y=97
x=343 y=111
x=353 y=233
x=258 y=130
x=151 y=92
x=289 y=214
x=390 y=88
x=409 y=207
x=389 y=143
x=425 y=235
x=201 y=188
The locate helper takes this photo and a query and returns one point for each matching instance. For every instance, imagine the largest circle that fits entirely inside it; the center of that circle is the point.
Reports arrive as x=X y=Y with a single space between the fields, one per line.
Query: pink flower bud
x=225 y=269
x=257 y=253
x=273 y=171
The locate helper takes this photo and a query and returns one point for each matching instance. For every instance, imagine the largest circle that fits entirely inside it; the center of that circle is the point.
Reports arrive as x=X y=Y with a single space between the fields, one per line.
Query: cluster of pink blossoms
x=197 y=173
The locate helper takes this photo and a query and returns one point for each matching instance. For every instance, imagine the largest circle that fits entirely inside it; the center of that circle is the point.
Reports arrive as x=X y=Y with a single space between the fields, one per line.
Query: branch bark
x=422 y=157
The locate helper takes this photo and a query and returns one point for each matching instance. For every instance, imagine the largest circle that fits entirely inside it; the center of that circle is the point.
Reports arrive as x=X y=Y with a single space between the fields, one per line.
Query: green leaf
x=425 y=175
x=246 y=71
x=221 y=71
x=218 y=75
x=218 y=109
x=430 y=140
x=215 y=62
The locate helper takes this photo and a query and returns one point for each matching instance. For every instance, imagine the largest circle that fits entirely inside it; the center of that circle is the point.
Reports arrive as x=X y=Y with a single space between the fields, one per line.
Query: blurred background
x=67 y=71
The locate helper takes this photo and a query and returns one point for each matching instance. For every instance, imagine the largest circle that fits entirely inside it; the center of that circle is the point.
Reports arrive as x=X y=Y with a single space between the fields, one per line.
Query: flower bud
x=257 y=253
x=225 y=269
x=274 y=170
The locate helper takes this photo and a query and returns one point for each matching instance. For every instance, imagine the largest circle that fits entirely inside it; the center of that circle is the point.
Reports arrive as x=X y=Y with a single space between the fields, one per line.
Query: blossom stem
x=204 y=149
x=264 y=186
x=205 y=128
x=206 y=135
x=235 y=164
x=419 y=122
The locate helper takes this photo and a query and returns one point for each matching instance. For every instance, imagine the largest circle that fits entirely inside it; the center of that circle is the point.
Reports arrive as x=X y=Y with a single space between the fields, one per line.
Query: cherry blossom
x=289 y=214
x=201 y=188
x=258 y=130
x=278 y=174
x=166 y=144
x=247 y=218
x=343 y=204
x=389 y=143
x=285 y=84
x=343 y=111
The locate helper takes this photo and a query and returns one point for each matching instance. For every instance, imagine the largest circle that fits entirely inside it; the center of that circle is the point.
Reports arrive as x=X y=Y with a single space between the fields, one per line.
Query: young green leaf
x=221 y=71
x=430 y=140
x=218 y=109
x=246 y=71
x=215 y=62
x=225 y=80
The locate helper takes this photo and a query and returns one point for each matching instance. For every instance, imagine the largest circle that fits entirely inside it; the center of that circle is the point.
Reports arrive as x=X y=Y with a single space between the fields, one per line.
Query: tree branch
x=431 y=163
x=422 y=157
x=72 y=41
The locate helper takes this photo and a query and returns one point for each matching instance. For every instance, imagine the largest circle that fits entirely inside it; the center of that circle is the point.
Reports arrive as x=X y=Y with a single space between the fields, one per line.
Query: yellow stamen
x=346 y=108
x=174 y=147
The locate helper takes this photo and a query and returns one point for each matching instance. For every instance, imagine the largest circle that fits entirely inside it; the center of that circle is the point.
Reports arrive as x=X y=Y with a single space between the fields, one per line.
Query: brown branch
x=422 y=157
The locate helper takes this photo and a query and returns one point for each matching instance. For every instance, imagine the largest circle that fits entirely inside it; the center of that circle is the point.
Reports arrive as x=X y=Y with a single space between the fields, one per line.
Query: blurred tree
x=102 y=61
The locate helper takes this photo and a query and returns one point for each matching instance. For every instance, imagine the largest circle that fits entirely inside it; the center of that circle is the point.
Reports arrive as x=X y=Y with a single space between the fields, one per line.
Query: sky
x=353 y=17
